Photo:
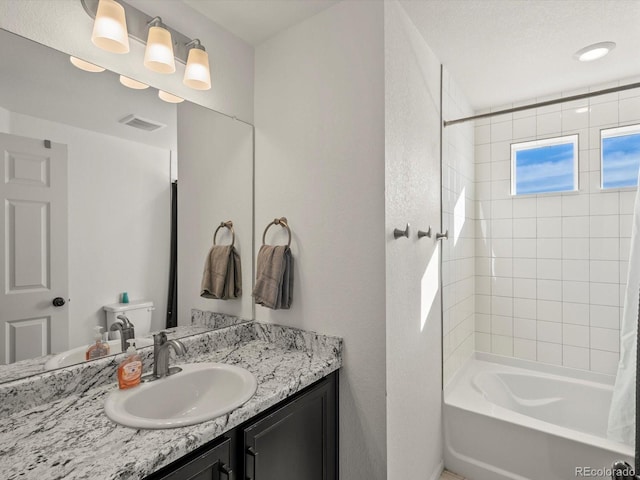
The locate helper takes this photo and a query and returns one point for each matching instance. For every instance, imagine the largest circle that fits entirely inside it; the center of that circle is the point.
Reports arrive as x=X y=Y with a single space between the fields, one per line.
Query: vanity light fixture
x=110 y=27
x=594 y=52
x=197 y=74
x=131 y=83
x=86 y=66
x=168 y=97
x=158 y=56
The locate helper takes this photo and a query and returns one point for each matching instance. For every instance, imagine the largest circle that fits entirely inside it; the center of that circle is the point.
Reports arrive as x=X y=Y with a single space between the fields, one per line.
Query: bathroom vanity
x=54 y=426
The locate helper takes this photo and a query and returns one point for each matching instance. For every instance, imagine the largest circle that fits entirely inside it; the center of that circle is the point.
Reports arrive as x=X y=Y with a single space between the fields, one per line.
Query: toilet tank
x=138 y=312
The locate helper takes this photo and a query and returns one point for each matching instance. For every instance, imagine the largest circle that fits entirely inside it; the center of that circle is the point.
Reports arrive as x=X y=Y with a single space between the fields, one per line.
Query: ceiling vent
x=141 y=123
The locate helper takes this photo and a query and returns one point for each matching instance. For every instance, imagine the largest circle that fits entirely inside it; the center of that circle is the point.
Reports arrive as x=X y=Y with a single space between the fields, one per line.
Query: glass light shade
x=86 y=66
x=110 y=28
x=197 y=75
x=131 y=83
x=594 y=52
x=168 y=97
x=158 y=55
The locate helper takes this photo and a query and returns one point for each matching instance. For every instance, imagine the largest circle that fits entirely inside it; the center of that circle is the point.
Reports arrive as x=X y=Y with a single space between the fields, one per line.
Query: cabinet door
x=212 y=464
x=296 y=442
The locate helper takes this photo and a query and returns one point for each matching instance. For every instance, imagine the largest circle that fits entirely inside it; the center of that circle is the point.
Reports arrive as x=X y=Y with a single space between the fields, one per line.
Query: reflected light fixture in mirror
x=86 y=66
x=158 y=55
x=110 y=28
x=131 y=83
x=197 y=74
x=168 y=97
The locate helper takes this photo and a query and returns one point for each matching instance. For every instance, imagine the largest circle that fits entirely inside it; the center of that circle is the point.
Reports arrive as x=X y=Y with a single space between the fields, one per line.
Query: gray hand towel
x=222 y=277
x=274 y=277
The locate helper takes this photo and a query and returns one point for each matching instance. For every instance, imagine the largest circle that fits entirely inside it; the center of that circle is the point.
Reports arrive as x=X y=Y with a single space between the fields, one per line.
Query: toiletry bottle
x=99 y=348
x=105 y=343
x=130 y=369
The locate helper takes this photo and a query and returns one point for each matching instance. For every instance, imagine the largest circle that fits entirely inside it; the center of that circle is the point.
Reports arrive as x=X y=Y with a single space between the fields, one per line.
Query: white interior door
x=33 y=248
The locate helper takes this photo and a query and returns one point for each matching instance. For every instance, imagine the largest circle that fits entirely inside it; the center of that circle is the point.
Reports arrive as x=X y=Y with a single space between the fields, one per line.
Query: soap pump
x=130 y=369
x=99 y=348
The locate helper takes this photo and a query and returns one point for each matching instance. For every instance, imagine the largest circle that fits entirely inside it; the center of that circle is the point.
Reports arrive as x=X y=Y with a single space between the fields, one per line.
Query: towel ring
x=229 y=225
x=278 y=221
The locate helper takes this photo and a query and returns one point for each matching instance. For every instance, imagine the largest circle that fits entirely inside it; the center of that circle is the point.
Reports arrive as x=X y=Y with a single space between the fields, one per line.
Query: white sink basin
x=200 y=392
x=78 y=355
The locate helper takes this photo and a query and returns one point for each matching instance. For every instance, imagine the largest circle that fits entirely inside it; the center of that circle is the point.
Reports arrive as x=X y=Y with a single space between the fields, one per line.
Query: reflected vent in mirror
x=141 y=123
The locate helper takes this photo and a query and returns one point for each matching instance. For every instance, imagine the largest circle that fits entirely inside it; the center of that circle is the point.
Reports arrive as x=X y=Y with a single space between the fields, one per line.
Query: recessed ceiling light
x=131 y=83
x=593 y=52
x=168 y=97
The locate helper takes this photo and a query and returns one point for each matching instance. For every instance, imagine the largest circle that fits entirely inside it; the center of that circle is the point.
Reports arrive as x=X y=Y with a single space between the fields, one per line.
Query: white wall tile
x=501 y=209
x=575 y=292
x=604 y=204
x=549 y=353
x=483 y=323
x=501 y=131
x=626 y=221
x=524 y=288
x=605 y=339
x=525 y=248
x=604 y=249
x=605 y=294
x=501 y=325
x=549 y=332
x=604 y=271
x=575 y=227
x=575 y=205
x=524 y=228
x=524 y=267
x=604 y=226
x=575 y=313
x=502 y=306
x=549 y=123
x=502 y=247
x=524 y=328
x=549 y=206
x=525 y=208
x=549 y=311
x=549 y=269
x=549 y=289
x=525 y=308
x=575 y=335
x=575 y=248
x=525 y=349
x=501 y=345
x=604 y=362
x=604 y=316
x=483 y=342
x=549 y=248
x=501 y=171
x=604 y=113
x=575 y=357
x=524 y=128
x=502 y=286
x=577 y=270
x=549 y=227
x=503 y=228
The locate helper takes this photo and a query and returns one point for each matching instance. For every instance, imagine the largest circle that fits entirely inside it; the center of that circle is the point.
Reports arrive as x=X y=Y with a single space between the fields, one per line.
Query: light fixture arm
x=138 y=24
x=195 y=43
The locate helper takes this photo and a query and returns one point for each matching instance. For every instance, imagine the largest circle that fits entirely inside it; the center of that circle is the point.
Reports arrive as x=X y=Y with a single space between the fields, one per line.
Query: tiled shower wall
x=551 y=269
x=458 y=218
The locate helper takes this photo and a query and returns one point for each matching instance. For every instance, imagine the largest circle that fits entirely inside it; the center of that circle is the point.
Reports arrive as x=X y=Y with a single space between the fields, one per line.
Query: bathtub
x=512 y=419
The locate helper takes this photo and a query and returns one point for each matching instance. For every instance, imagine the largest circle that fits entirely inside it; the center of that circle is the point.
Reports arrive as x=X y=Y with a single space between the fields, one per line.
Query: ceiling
x=504 y=51
x=255 y=21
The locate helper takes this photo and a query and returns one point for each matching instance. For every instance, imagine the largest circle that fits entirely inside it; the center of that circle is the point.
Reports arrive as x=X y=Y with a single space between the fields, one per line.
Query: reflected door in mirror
x=33 y=225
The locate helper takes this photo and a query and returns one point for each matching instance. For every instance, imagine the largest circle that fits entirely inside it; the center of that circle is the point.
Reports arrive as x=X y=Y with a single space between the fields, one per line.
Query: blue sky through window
x=620 y=161
x=545 y=169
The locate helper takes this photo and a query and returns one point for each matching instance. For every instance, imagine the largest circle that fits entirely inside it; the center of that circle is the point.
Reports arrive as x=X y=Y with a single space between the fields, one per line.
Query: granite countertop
x=69 y=436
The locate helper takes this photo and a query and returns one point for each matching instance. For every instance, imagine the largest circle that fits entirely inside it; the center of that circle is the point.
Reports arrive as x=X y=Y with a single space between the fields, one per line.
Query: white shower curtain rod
x=581 y=96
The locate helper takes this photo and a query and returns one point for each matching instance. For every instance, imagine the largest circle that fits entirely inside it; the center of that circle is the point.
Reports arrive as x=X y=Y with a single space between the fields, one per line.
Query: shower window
x=620 y=156
x=545 y=166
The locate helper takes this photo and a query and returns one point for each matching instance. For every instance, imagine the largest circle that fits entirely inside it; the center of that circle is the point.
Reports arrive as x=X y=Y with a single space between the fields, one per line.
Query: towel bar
x=229 y=225
x=278 y=221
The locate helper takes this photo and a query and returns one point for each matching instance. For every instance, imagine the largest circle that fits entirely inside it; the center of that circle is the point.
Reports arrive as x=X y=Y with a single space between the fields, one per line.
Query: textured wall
x=412 y=185
x=320 y=162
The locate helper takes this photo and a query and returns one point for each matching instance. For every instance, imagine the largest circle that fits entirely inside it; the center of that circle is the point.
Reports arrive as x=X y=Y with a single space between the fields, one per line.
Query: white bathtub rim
x=460 y=393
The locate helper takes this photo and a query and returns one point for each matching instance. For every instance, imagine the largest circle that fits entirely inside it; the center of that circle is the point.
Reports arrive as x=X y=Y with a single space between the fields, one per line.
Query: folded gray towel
x=222 y=277
x=274 y=277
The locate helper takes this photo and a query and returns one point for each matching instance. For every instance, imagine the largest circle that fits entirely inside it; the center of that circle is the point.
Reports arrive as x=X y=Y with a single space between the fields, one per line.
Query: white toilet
x=138 y=312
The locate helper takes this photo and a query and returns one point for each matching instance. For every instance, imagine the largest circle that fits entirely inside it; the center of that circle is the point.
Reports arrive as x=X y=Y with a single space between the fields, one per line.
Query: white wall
x=215 y=185
x=320 y=162
x=458 y=263
x=65 y=26
x=119 y=222
x=5 y=120
x=412 y=185
x=551 y=269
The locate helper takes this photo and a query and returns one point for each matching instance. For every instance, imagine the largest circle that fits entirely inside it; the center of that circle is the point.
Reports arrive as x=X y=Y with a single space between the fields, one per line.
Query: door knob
x=424 y=234
x=397 y=233
x=58 y=302
x=440 y=236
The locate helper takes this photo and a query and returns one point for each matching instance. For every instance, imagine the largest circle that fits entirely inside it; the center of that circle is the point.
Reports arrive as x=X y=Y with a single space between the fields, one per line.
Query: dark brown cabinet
x=296 y=439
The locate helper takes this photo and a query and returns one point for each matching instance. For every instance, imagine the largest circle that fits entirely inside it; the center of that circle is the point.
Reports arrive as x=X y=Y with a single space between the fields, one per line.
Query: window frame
x=633 y=129
x=573 y=139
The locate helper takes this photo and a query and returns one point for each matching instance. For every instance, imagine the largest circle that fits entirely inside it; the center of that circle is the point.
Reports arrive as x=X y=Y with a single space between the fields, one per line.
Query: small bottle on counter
x=99 y=348
x=130 y=369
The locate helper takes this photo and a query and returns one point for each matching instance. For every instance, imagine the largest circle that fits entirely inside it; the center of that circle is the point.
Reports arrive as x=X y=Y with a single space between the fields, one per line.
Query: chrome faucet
x=161 y=355
x=125 y=327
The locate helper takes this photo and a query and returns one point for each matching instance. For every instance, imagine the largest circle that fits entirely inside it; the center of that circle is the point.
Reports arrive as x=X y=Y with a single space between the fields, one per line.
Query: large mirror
x=89 y=208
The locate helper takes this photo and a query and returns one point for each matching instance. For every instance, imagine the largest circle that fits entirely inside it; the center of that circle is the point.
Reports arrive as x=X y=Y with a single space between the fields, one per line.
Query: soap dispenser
x=130 y=369
x=99 y=348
